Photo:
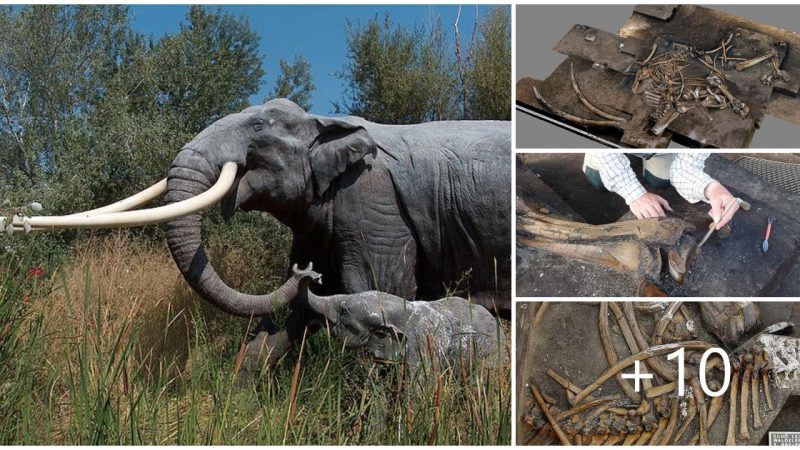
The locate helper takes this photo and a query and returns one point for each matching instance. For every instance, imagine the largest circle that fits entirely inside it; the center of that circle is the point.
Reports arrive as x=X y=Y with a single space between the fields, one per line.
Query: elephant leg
x=265 y=349
x=383 y=269
x=379 y=256
x=270 y=344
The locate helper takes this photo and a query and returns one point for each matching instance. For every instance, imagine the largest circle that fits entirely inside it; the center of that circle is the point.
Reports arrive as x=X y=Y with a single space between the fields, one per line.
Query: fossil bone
x=540 y=312
x=650 y=352
x=728 y=321
x=553 y=424
x=657 y=365
x=740 y=66
x=623 y=325
x=702 y=412
x=587 y=405
x=730 y=438
x=566 y=384
x=736 y=104
x=632 y=427
x=747 y=361
x=671 y=425
x=657 y=391
x=665 y=120
x=667 y=317
x=713 y=411
x=631 y=247
x=692 y=413
x=765 y=379
x=569 y=117
x=631 y=438
x=644 y=437
x=758 y=363
x=611 y=354
x=586 y=101
x=659 y=430
x=600 y=410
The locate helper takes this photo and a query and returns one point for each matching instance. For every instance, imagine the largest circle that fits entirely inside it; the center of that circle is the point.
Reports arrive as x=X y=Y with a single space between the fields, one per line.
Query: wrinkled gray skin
x=388 y=327
x=402 y=209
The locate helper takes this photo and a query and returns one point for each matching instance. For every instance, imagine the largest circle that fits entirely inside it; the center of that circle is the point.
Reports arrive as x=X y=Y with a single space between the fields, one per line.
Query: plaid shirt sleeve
x=617 y=175
x=688 y=176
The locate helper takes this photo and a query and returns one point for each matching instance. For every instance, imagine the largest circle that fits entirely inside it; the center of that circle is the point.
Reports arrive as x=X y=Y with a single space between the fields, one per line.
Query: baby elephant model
x=387 y=327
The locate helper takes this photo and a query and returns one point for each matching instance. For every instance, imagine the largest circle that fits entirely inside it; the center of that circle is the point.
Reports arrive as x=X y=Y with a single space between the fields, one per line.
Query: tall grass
x=114 y=348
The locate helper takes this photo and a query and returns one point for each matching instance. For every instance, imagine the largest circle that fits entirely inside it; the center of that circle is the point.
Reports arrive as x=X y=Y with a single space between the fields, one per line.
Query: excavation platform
x=686 y=73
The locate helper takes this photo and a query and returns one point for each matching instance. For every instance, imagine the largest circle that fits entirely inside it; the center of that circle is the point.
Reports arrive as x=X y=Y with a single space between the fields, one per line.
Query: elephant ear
x=338 y=145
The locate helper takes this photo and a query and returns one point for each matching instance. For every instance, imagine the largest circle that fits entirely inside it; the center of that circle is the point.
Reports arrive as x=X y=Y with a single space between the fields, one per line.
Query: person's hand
x=723 y=204
x=649 y=205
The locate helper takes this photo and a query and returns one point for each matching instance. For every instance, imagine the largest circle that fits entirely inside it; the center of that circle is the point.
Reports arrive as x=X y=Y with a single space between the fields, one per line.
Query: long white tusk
x=126 y=204
x=140 y=217
x=131 y=202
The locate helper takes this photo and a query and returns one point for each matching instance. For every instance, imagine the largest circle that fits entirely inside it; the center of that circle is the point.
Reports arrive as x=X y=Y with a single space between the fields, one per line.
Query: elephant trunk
x=321 y=305
x=189 y=176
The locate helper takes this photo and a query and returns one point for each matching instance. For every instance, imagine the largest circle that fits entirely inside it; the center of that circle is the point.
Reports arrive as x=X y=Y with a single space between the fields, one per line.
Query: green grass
x=81 y=376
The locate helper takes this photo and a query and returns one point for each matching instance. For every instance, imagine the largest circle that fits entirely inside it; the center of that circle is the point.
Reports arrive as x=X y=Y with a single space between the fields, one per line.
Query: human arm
x=618 y=177
x=691 y=181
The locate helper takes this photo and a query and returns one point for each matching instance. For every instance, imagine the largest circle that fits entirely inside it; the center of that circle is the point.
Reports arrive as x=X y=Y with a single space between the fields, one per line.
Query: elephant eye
x=258 y=125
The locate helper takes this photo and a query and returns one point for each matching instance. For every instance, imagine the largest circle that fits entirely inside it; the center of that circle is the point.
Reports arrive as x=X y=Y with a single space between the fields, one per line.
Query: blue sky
x=315 y=31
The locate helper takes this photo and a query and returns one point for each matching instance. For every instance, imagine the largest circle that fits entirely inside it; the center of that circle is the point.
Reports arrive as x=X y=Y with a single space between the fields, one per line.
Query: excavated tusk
x=140 y=217
x=131 y=202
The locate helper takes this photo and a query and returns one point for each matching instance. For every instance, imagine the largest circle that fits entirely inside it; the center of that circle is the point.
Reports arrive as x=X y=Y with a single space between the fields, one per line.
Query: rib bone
x=572 y=118
x=747 y=360
x=765 y=380
x=655 y=350
x=692 y=411
x=713 y=410
x=702 y=412
x=611 y=355
x=546 y=410
x=673 y=422
x=586 y=101
x=755 y=376
x=731 y=436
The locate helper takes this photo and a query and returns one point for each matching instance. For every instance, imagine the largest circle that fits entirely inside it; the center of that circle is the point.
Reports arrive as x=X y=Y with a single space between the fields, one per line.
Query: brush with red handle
x=765 y=245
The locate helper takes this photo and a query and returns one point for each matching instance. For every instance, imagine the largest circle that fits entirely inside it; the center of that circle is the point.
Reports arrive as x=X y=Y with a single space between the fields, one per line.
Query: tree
x=53 y=60
x=209 y=68
x=396 y=74
x=294 y=82
x=488 y=77
x=91 y=110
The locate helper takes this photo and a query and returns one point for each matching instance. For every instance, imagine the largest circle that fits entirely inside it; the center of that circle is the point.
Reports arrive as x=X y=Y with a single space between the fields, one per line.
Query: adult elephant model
x=407 y=210
x=419 y=211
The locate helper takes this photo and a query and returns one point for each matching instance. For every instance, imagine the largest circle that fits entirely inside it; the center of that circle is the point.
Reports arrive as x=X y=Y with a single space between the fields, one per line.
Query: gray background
x=539 y=28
